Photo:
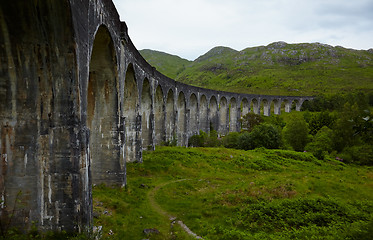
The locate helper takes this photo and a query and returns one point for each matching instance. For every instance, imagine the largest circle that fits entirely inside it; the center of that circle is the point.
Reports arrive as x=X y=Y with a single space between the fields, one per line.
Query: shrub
x=212 y=140
x=231 y=140
x=362 y=155
x=198 y=140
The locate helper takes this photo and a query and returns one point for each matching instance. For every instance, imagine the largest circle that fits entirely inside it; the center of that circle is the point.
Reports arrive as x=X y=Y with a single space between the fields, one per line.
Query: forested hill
x=276 y=69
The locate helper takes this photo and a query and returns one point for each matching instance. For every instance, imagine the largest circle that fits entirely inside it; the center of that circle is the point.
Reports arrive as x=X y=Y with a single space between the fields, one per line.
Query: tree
x=296 y=133
x=319 y=120
x=263 y=135
x=250 y=120
x=321 y=144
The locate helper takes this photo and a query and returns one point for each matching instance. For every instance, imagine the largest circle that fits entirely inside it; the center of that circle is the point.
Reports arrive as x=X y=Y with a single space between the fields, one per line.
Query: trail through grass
x=234 y=194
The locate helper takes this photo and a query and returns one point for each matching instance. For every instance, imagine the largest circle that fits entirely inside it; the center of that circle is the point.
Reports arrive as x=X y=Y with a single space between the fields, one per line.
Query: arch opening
x=102 y=111
x=146 y=120
x=193 y=119
x=181 y=120
x=159 y=116
x=130 y=114
x=233 y=111
x=203 y=114
x=170 y=117
x=223 y=119
x=213 y=114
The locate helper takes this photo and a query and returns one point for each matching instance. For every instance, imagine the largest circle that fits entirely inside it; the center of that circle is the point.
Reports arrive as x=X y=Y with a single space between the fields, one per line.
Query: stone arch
x=130 y=114
x=102 y=111
x=159 y=116
x=181 y=119
x=254 y=105
x=223 y=116
x=233 y=111
x=203 y=114
x=146 y=115
x=213 y=114
x=305 y=105
x=170 y=116
x=294 y=105
x=193 y=114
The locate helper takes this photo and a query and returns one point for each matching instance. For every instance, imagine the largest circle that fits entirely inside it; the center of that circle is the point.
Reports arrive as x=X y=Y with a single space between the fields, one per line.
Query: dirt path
x=161 y=211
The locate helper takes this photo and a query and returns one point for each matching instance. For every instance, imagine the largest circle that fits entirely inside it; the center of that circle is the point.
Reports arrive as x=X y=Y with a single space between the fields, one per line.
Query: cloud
x=190 y=28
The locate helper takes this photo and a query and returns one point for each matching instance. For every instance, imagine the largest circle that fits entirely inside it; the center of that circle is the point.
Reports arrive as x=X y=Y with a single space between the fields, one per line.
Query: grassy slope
x=168 y=64
x=234 y=194
x=279 y=68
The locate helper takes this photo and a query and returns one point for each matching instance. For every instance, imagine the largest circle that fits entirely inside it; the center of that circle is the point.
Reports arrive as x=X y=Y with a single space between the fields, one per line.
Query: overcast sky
x=189 y=28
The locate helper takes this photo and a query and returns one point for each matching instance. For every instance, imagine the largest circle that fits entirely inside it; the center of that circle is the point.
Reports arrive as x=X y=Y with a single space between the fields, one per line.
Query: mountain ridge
x=276 y=69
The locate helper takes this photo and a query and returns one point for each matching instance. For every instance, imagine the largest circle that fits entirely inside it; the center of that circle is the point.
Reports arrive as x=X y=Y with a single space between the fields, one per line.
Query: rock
x=144 y=186
x=149 y=231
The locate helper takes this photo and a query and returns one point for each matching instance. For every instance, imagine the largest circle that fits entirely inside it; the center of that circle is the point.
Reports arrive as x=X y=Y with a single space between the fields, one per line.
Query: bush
x=231 y=140
x=198 y=140
x=264 y=135
x=362 y=155
x=212 y=140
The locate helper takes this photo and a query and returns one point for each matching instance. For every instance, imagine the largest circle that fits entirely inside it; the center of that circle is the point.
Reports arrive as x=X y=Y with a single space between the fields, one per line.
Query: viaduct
x=77 y=101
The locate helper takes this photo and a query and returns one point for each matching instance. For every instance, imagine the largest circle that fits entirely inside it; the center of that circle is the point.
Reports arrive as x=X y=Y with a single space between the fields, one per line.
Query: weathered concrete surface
x=77 y=101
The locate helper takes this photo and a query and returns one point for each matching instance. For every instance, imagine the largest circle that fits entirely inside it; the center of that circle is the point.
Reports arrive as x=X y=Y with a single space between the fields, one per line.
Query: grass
x=234 y=194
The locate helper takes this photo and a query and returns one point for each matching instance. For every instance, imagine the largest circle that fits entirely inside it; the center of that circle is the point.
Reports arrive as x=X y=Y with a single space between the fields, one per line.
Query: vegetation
x=222 y=193
x=276 y=69
x=268 y=191
x=168 y=64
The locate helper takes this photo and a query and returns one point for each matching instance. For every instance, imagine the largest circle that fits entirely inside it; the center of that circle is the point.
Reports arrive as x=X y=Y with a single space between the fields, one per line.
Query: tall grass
x=235 y=194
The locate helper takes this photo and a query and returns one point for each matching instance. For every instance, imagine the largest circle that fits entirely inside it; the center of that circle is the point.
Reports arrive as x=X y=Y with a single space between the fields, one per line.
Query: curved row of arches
x=154 y=113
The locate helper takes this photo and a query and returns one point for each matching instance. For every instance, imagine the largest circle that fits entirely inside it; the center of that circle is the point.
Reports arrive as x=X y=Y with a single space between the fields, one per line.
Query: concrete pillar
x=181 y=120
x=256 y=106
x=213 y=114
x=233 y=115
x=223 y=116
x=193 y=113
x=266 y=107
x=203 y=114
x=277 y=107
x=159 y=117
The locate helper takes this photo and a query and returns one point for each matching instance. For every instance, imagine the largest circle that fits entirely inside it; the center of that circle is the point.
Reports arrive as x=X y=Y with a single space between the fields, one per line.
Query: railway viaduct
x=77 y=101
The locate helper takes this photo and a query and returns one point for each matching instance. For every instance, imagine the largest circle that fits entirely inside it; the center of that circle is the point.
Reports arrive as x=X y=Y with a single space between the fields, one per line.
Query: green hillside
x=277 y=69
x=169 y=65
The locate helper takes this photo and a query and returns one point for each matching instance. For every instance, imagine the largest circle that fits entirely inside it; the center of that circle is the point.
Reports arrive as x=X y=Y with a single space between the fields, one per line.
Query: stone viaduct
x=77 y=101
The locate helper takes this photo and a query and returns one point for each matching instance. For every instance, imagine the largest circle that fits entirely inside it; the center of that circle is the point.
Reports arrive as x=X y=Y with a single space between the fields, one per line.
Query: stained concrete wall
x=78 y=101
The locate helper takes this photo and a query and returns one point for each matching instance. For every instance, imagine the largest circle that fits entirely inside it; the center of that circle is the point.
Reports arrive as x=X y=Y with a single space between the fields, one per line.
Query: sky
x=190 y=28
